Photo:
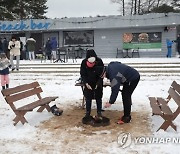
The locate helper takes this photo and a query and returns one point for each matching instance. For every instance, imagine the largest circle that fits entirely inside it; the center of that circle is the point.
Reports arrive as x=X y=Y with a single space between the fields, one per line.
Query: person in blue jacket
x=54 y=46
x=169 y=48
x=120 y=74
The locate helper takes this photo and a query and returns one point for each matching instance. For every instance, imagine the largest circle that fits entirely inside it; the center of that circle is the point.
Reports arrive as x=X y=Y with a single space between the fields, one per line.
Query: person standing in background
x=5 y=48
x=169 y=44
x=4 y=70
x=31 y=47
x=54 y=46
x=48 y=49
x=178 y=44
x=14 y=47
x=21 y=49
x=1 y=46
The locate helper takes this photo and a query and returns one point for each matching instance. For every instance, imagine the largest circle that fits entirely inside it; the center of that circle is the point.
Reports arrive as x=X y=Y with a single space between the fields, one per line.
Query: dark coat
x=5 y=46
x=48 y=47
x=119 y=74
x=89 y=76
x=178 y=43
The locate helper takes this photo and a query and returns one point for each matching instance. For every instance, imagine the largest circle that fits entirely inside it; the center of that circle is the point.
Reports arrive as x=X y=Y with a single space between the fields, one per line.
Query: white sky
x=81 y=8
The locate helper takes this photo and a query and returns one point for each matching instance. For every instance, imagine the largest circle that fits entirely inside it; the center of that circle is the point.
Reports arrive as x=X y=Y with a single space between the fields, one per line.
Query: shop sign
x=22 y=26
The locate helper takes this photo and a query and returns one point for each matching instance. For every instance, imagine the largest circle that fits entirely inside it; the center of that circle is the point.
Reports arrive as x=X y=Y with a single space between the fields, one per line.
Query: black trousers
x=128 y=88
x=98 y=104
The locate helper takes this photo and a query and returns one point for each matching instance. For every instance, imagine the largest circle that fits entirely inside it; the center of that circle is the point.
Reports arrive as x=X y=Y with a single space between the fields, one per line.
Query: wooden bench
x=160 y=106
x=19 y=93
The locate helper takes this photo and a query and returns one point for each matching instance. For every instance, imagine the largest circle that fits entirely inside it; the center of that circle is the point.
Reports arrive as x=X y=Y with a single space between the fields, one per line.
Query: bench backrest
x=12 y=95
x=174 y=92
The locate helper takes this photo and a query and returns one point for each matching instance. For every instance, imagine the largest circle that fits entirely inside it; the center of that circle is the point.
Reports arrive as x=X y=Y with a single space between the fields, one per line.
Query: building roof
x=100 y=22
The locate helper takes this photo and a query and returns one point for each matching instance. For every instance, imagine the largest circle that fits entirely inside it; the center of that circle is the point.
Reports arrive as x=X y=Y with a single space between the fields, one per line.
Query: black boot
x=7 y=86
x=3 y=87
x=87 y=119
x=56 y=111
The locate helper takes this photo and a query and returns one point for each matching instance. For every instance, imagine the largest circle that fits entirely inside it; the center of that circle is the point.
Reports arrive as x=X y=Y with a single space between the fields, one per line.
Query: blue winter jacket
x=118 y=74
x=169 y=43
x=54 y=44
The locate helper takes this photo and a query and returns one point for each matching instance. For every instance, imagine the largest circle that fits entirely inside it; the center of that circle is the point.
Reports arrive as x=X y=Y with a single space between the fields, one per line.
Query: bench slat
x=155 y=107
x=22 y=95
x=31 y=106
x=20 y=88
x=176 y=86
x=164 y=107
x=174 y=95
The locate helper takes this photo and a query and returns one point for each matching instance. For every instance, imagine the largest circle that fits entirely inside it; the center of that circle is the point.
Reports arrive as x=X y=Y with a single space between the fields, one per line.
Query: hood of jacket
x=90 y=53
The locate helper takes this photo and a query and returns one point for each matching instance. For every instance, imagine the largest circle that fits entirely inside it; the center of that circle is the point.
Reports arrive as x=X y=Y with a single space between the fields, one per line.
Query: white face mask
x=91 y=59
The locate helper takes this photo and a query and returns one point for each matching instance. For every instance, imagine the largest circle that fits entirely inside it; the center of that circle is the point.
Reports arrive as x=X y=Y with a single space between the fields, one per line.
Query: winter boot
x=88 y=119
x=56 y=111
x=3 y=87
x=124 y=119
x=7 y=86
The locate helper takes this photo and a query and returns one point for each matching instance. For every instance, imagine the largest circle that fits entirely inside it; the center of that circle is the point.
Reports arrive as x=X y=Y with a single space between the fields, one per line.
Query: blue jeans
x=169 y=51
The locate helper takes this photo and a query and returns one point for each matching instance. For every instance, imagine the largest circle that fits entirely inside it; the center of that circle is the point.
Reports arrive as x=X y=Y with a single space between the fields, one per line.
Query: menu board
x=142 y=40
x=78 y=38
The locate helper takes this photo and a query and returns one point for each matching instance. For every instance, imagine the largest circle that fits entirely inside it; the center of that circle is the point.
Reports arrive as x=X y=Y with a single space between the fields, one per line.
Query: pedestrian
x=14 y=47
x=93 y=84
x=48 y=49
x=31 y=47
x=54 y=46
x=5 y=48
x=1 y=46
x=169 y=44
x=4 y=70
x=178 y=44
x=21 y=49
x=120 y=74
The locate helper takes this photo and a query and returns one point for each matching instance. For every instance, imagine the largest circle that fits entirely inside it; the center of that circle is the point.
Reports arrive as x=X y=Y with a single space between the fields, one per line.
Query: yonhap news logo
x=124 y=140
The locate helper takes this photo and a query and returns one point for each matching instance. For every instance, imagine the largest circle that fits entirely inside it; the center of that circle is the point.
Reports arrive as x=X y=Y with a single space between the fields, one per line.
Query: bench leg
x=46 y=106
x=83 y=103
x=20 y=117
x=168 y=122
x=176 y=113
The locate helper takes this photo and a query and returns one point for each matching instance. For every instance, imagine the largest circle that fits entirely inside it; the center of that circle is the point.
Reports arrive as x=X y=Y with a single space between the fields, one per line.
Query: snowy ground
x=46 y=133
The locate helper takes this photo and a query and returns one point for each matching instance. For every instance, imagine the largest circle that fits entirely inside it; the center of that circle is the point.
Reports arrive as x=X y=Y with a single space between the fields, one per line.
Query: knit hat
x=100 y=70
x=90 y=53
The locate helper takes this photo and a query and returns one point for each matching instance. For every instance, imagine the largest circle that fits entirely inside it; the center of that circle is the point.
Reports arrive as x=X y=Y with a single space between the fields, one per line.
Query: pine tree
x=22 y=9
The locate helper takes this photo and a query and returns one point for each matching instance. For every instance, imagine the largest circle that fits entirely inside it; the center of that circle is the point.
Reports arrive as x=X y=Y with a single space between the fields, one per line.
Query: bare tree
x=140 y=6
x=122 y=3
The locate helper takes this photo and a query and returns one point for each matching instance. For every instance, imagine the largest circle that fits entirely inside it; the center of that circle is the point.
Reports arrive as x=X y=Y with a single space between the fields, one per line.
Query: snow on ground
x=46 y=133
